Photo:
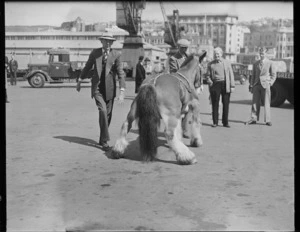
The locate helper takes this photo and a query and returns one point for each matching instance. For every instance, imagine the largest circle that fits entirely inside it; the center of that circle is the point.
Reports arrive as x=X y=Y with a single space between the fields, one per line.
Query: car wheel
x=37 y=80
x=278 y=95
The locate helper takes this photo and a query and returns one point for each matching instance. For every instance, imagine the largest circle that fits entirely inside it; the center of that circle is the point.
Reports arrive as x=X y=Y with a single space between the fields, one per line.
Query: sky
x=54 y=13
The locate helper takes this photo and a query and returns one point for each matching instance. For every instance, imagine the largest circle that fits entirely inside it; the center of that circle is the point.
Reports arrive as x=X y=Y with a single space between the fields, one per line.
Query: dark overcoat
x=113 y=68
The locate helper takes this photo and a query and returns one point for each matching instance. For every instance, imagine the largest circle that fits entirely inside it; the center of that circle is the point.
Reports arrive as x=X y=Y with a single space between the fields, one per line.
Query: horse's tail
x=147 y=113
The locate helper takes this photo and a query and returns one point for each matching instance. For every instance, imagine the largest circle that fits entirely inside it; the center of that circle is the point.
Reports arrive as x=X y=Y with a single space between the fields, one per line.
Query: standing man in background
x=177 y=59
x=264 y=76
x=220 y=79
x=13 y=66
x=140 y=74
x=106 y=65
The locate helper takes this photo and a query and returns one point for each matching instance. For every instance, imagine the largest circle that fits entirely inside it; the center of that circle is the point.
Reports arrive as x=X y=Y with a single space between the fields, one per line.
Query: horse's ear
x=202 y=55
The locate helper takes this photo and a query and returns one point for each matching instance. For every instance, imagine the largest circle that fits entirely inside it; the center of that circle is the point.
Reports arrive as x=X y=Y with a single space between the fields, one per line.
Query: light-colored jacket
x=266 y=75
x=229 y=76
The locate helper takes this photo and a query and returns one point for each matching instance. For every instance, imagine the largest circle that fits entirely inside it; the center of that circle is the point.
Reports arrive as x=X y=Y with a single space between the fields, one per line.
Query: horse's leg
x=173 y=135
x=121 y=143
x=194 y=109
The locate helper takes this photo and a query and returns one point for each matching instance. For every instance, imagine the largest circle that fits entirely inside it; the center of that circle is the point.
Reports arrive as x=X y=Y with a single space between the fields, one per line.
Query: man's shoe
x=226 y=125
x=269 y=124
x=104 y=146
x=250 y=122
x=214 y=125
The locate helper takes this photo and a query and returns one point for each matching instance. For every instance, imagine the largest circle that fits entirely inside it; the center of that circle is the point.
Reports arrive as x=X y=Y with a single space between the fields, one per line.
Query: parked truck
x=283 y=87
x=58 y=69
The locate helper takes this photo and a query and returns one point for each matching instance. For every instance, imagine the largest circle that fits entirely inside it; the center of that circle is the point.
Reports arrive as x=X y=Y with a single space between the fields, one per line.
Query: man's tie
x=104 y=57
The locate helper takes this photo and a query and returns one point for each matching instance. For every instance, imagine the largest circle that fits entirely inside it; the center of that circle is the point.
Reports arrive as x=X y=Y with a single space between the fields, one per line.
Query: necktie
x=104 y=57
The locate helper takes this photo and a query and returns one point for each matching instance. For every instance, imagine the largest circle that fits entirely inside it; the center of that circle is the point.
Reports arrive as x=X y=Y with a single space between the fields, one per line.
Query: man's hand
x=250 y=89
x=201 y=88
x=78 y=85
x=121 y=97
x=232 y=89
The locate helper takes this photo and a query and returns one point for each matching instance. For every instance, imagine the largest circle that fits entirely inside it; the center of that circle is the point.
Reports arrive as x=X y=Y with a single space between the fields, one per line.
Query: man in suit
x=106 y=65
x=140 y=74
x=220 y=79
x=13 y=67
x=263 y=77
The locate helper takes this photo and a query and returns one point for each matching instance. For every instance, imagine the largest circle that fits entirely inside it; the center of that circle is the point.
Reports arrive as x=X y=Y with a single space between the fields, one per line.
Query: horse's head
x=191 y=70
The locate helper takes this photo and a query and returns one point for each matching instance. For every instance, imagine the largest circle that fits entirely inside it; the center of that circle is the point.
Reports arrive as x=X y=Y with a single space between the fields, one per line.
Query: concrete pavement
x=58 y=179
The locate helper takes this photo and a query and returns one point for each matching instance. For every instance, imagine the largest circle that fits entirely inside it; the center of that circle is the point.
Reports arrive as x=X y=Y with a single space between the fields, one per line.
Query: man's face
x=106 y=43
x=183 y=50
x=262 y=55
x=218 y=55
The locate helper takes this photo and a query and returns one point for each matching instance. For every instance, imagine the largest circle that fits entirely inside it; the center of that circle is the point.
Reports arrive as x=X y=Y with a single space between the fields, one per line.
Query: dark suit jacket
x=113 y=68
x=13 y=65
x=140 y=76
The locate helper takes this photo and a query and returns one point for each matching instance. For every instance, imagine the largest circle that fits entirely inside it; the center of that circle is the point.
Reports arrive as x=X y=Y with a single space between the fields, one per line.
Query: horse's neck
x=187 y=73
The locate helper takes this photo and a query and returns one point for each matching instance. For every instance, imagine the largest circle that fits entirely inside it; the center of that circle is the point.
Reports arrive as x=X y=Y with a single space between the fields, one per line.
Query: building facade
x=221 y=29
x=255 y=40
x=31 y=47
x=285 y=42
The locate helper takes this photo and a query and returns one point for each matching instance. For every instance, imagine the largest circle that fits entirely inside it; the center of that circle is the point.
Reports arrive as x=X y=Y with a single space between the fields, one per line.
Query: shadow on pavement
x=244 y=102
x=56 y=87
x=79 y=140
x=132 y=151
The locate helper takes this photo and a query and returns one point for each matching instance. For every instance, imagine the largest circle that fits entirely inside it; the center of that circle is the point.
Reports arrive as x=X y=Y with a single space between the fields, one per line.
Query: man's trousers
x=217 y=89
x=105 y=114
x=263 y=95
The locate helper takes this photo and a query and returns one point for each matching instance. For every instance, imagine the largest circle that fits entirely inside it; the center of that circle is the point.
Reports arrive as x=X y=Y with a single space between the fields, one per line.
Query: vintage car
x=58 y=69
x=240 y=72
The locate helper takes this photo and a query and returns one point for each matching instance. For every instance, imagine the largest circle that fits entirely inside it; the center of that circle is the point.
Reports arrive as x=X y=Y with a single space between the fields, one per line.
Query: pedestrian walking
x=106 y=64
x=220 y=79
x=263 y=77
x=140 y=74
x=13 y=66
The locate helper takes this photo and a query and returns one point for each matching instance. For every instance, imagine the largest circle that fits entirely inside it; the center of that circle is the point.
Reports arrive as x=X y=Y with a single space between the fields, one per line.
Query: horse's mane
x=187 y=60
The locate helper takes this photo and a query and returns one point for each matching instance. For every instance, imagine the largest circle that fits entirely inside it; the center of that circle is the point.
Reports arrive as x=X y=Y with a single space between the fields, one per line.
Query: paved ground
x=58 y=179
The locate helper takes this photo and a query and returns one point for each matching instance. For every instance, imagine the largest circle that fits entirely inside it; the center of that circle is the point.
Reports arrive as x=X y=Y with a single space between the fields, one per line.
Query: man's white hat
x=107 y=36
x=183 y=43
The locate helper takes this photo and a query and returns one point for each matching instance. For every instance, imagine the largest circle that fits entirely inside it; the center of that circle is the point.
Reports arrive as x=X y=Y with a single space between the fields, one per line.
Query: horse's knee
x=169 y=134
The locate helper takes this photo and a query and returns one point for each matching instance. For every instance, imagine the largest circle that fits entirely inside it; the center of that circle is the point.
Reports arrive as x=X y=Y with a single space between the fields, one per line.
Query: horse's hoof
x=196 y=143
x=187 y=162
x=194 y=160
x=186 y=135
x=115 y=154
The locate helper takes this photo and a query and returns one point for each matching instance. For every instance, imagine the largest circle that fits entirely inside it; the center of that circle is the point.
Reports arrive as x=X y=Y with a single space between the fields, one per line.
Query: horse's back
x=168 y=93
